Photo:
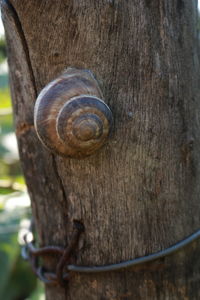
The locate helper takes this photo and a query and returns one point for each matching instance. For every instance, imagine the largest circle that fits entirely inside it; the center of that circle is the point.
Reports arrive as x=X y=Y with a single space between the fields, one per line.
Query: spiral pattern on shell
x=70 y=117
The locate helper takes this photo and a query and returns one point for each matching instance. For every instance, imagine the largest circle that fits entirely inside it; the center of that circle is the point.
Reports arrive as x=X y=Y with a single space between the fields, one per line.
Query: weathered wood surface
x=140 y=193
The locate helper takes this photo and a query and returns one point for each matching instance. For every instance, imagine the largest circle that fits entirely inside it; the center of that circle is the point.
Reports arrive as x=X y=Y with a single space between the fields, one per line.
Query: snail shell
x=70 y=117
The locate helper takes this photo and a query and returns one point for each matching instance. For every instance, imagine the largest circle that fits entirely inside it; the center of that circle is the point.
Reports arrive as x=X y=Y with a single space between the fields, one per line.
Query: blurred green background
x=17 y=281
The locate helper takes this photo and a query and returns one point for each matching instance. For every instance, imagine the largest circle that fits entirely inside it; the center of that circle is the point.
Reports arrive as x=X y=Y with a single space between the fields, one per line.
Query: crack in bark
x=54 y=165
x=19 y=28
x=25 y=127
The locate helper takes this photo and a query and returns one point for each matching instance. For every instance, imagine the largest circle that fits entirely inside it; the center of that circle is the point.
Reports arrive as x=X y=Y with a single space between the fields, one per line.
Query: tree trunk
x=139 y=193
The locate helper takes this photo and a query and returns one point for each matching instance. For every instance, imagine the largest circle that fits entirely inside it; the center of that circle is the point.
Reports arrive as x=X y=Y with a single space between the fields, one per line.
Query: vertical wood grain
x=140 y=193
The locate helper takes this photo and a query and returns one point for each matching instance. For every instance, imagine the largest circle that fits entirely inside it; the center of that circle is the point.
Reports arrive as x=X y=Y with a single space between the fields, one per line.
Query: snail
x=70 y=117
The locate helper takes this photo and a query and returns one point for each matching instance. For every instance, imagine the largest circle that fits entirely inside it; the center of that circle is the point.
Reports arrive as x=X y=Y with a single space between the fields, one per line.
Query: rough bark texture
x=140 y=193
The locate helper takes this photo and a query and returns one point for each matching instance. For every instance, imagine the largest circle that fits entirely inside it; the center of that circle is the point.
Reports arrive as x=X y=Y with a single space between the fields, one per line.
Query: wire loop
x=31 y=253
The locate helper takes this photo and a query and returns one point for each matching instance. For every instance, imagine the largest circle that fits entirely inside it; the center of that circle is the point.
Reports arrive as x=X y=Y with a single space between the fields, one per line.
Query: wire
x=136 y=261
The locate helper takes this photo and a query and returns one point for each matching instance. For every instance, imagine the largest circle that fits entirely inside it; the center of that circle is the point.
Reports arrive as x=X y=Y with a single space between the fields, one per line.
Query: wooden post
x=139 y=193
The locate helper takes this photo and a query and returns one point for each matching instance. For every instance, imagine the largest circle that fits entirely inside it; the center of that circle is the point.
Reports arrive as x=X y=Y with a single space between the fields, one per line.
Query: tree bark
x=140 y=193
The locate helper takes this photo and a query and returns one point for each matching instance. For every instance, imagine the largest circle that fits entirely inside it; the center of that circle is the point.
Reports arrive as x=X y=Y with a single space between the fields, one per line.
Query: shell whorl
x=70 y=117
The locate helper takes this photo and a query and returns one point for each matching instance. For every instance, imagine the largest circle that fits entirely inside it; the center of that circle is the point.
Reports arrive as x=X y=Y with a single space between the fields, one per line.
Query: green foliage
x=2 y=49
x=38 y=293
x=4 y=82
x=17 y=280
x=5 y=101
x=21 y=280
x=9 y=163
x=5 y=190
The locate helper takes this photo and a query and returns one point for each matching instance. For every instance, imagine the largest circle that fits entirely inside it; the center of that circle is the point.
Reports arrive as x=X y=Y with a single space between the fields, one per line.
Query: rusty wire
x=32 y=254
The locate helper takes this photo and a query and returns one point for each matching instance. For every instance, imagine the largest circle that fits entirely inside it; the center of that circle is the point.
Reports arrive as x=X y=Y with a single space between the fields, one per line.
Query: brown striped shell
x=70 y=117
